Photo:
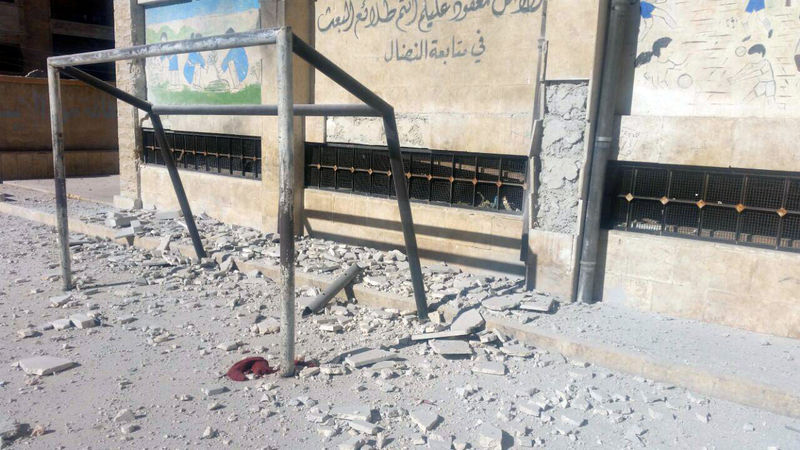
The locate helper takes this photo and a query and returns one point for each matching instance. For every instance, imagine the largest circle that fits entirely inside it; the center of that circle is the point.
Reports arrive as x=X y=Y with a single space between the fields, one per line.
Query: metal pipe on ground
x=601 y=150
x=286 y=198
x=169 y=162
x=59 y=176
x=319 y=302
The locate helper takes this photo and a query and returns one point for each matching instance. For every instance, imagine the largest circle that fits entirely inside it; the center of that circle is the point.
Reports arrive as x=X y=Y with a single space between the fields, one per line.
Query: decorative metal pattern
x=739 y=206
x=468 y=180
x=224 y=154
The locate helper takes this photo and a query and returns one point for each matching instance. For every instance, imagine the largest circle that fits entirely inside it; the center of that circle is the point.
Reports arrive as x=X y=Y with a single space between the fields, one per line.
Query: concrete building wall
x=709 y=84
x=90 y=138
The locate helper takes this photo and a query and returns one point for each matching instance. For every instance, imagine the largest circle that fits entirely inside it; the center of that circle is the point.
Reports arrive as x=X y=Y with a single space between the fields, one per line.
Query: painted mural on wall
x=230 y=76
x=718 y=57
x=422 y=25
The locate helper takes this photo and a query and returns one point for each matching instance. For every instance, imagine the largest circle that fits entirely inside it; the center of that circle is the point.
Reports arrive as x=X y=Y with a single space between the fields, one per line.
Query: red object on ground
x=256 y=365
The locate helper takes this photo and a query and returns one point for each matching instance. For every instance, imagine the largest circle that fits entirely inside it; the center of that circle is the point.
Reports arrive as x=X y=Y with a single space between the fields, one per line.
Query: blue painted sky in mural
x=196 y=8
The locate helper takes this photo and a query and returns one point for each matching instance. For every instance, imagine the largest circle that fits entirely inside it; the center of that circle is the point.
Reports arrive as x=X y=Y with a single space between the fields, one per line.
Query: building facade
x=496 y=103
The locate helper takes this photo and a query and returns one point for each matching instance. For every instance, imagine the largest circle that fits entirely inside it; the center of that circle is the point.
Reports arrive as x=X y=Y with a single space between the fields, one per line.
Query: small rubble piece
x=451 y=348
x=572 y=419
x=59 y=301
x=269 y=325
x=354 y=443
x=117 y=220
x=62 y=324
x=540 y=304
x=82 y=321
x=8 y=429
x=45 y=365
x=530 y=408
x=129 y=428
x=166 y=215
x=125 y=233
x=309 y=372
x=490 y=437
x=331 y=327
x=469 y=321
x=229 y=346
x=363 y=426
x=27 y=333
x=519 y=351
x=490 y=368
x=209 y=433
x=425 y=418
x=501 y=303
x=126 y=320
x=124 y=416
x=439 y=335
x=368 y=357
x=214 y=390
x=353 y=412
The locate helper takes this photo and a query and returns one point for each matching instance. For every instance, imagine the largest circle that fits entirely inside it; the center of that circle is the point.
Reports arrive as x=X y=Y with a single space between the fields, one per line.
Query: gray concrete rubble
x=167 y=329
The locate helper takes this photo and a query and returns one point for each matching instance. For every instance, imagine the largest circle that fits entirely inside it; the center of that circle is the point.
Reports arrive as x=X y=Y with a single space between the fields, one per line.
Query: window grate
x=223 y=154
x=738 y=206
x=466 y=180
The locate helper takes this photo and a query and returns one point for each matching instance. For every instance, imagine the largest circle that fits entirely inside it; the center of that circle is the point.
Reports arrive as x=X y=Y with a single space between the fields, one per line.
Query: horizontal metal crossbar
x=265 y=110
x=232 y=40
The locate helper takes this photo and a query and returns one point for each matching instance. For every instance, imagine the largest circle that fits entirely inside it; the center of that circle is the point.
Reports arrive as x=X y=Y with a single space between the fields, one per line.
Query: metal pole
x=109 y=89
x=286 y=197
x=244 y=39
x=319 y=302
x=266 y=110
x=59 y=176
x=398 y=174
x=166 y=154
x=602 y=148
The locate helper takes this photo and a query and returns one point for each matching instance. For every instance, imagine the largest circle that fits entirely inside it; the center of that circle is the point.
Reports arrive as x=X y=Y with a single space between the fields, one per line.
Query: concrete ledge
x=722 y=386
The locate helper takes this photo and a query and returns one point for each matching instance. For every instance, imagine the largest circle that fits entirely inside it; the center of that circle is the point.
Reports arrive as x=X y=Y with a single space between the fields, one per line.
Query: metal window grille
x=468 y=180
x=738 y=206
x=224 y=154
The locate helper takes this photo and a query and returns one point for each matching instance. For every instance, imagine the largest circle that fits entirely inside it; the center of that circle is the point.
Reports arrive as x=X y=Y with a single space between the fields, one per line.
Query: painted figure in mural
x=756 y=9
x=235 y=66
x=169 y=65
x=759 y=69
x=195 y=67
x=662 y=70
x=649 y=12
x=797 y=56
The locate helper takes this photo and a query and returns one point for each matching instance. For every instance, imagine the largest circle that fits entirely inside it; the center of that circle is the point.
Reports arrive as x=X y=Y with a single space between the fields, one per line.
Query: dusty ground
x=157 y=366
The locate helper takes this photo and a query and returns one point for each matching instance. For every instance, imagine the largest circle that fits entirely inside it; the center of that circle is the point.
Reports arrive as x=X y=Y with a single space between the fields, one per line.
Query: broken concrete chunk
x=425 y=418
x=309 y=372
x=124 y=416
x=572 y=419
x=530 y=408
x=520 y=351
x=166 y=215
x=490 y=368
x=125 y=233
x=45 y=365
x=8 y=428
x=354 y=443
x=59 y=301
x=542 y=305
x=116 y=220
x=439 y=335
x=128 y=428
x=368 y=357
x=27 y=333
x=269 y=325
x=469 y=321
x=353 y=412
x=331 y=327
x=451 y=348
x=490 y=437
x=363 y=427
x=214 y=390
x=82 y=321
x=62 y=324
x=229 y=346
x=501 y=303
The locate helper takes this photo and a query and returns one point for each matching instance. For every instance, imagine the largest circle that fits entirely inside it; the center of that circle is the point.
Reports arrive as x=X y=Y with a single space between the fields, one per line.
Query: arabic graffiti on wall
x=718 y=57
x=421 y=16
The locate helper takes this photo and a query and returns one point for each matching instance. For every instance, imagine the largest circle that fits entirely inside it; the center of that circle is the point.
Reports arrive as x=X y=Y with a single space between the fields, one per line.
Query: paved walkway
x=100 y=189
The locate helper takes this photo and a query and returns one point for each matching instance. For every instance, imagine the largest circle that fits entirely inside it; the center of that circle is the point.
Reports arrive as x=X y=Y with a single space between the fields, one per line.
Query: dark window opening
x=96 y=12
x=224 y=154
x=739 y=206
x=10 y=60
x=468 y=180
x=66 y=45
